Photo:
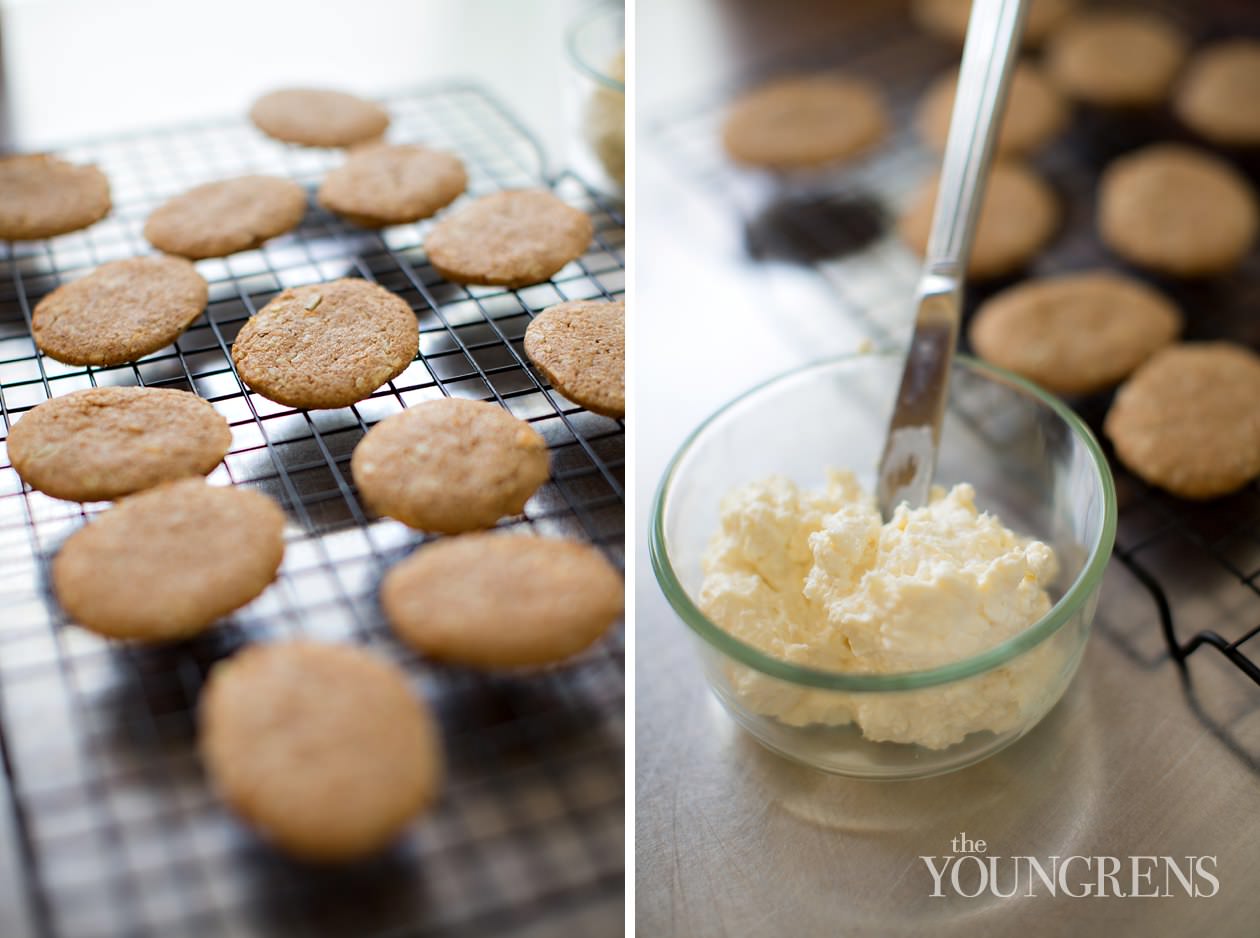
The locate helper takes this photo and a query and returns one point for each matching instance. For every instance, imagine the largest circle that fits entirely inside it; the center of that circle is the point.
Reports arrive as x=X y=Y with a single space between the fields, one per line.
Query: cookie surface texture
x=580 y=347
x=389 y=185
x=317 y=117
x=221 y=218
x=1116 y=58
x=1217 y=97
x=450 y=465
x=102 y=443
x=1035 y=112
x=42 y=196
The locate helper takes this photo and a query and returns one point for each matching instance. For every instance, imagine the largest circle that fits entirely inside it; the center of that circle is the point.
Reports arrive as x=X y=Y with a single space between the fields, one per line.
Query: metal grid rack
x=1197 y=563
x=118 y=832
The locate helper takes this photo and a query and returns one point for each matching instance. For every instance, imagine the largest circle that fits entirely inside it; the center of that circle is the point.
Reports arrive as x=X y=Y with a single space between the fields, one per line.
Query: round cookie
x=450 y=465
x=119 y=312
x=1178 y=210
x=224 y=217
x=1035 y=112
x=42 y=196
x=101 y=443
x=169 y=562
x=1217 y=96
x=1187 y=420
x=1116 y=58
x=326 y=345
x=321 y=748
x=948 y=18
x=508 y=239
x=804 y=122
x=316 y=117
x=1075 y=333
x=580 y=347
x=502 y=601
x=390 y=185
x=1018 y=217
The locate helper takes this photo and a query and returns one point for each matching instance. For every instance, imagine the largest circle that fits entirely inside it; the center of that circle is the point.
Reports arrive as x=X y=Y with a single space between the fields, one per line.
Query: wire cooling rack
x=1199 y=563
x=119 y=834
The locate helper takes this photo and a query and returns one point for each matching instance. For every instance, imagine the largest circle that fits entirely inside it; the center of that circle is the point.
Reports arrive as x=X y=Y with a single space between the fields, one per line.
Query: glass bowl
x=1031 y=461
x=596 y=97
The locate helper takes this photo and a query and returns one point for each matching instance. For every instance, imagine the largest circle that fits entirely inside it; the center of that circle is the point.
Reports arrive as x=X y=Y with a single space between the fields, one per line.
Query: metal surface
x=732 y=840
x=116 y=830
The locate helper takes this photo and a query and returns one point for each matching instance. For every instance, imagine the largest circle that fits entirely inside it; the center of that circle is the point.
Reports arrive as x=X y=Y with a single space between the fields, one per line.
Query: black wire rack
x=1199 y=563
x=119 y=834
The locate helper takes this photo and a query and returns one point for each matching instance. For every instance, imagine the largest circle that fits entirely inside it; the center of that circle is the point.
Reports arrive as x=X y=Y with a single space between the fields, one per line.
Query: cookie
x=580 y=347
x=450 y=465
x=323 y=749
x=326 y=345
x=221 y=218
x=508 y=239
x=1035 y=112
x=390 y=185
x=42 y=196
x=1116 y=58
x=1217 y=98
x=1187 y=420
x=502 y=601
x=804 y=122
x=102 y=443
x=1018 y=217
x=948 y=18
x=315 y=117
x=1178 y=210
x=1075 y=333
x=169 y=562
x=120 y=312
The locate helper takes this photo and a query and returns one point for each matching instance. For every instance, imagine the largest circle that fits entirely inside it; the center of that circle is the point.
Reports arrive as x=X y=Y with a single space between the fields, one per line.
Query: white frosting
x=816 y=578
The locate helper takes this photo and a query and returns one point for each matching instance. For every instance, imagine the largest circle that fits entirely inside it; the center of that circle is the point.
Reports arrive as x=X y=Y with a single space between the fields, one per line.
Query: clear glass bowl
x=597 y=97
x=1032 y=462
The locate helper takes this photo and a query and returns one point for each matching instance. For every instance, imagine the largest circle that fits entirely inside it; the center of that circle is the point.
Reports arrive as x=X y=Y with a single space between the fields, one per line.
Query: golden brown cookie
x=42 y=196
x=1018 y=217
x=1177 y=209
x=580 y=347
x=502 y=601
x=1035 y=112
x=804 y=122
x=101 y=443
x=119 y=312
x=221 y=218
x=1125 y=58
x=1187 y=420
x=390 y=185
x=948 y=18
x=326 y=345
x=1217 y=97
x=1075 y=333
x=508 y=239
x=322 y=748
x=450 y=465
x=316 y=117
x=169 y=562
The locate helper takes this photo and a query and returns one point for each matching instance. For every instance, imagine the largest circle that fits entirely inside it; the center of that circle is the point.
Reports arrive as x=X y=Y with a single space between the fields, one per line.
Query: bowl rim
x=586 y=18
x=1059 y=614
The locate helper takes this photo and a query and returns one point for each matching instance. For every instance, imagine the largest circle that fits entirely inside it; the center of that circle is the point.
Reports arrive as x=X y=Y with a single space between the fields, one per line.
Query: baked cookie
x=1035 y=112
x=1217 y=96
x=321 y=748
x=580 y=347
x=948 y=18
x=390 y=185
x=221 y=218
x=42 y=196
x=1018 y=217
x=804 y=122
x=1187 y=419
x=1075 y=333
x=508 y=239
x=450 y=465
x=502 y=601
x=169 y=562
x=102 y=443
x=326 y=345
x=119 y=312
x=1177 y=209
x=1125 y=58
x=316 y=117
